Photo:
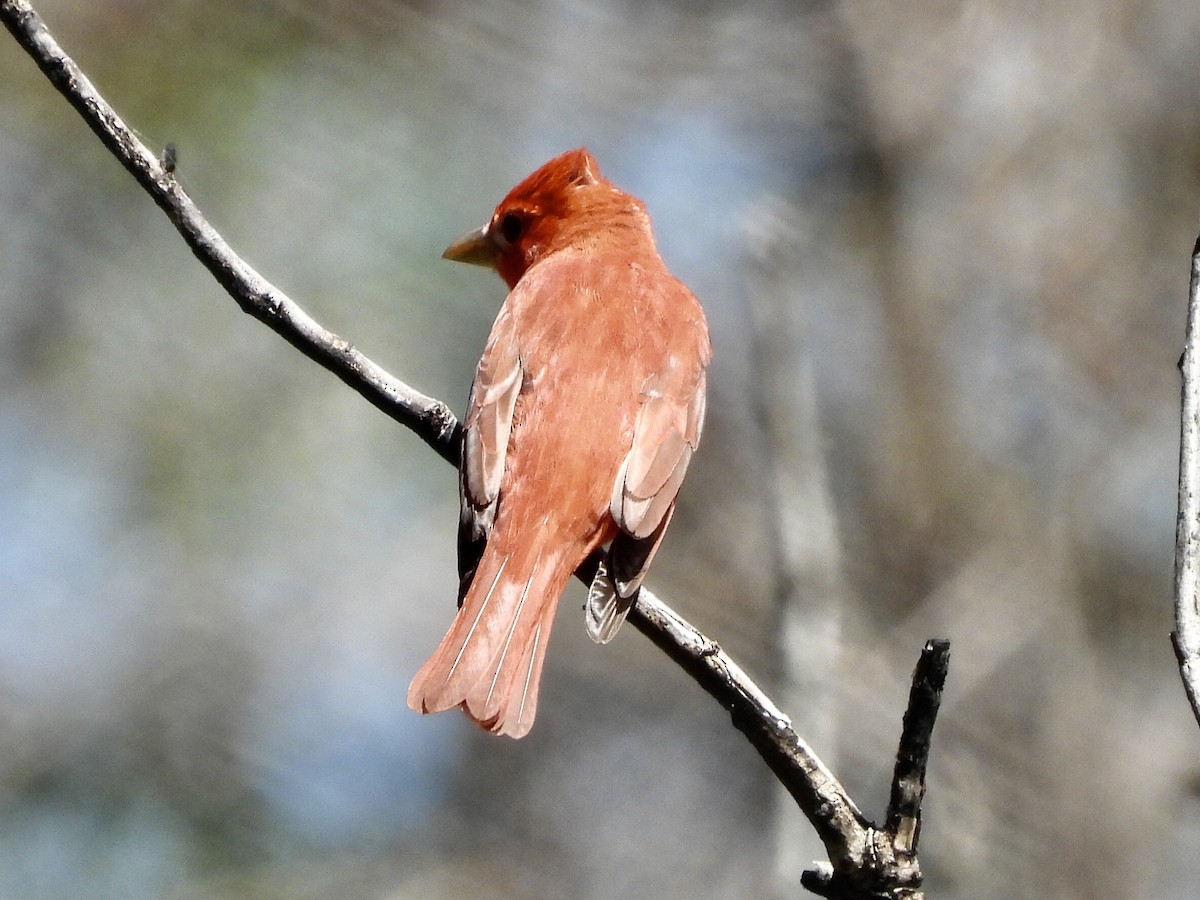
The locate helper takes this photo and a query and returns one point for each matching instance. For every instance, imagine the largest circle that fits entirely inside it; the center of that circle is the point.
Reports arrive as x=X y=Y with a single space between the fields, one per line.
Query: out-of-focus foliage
x=219 y=567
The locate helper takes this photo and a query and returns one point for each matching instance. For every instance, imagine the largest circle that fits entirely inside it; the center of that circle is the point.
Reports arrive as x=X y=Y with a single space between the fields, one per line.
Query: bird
x=584 y=412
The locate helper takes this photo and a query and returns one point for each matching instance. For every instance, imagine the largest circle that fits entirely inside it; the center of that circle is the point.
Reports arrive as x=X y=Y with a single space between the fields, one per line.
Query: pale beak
x=476 y=248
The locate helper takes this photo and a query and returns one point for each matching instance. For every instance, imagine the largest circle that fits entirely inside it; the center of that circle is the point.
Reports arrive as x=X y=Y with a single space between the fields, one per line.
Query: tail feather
x=488 y=701
x=490 y=661
x=518 y=705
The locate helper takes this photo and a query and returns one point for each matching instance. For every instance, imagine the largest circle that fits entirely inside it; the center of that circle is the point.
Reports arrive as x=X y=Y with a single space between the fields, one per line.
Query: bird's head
x=566 y=202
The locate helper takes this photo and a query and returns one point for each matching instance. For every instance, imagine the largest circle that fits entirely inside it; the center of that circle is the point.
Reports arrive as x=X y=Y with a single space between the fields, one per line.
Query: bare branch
x=430 y=419
x=1186 y=637
x=867 y=862
x=884 y=860
x=908 y=780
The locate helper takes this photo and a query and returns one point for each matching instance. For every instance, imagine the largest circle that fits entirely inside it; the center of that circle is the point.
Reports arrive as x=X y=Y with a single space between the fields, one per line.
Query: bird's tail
x=490 y=661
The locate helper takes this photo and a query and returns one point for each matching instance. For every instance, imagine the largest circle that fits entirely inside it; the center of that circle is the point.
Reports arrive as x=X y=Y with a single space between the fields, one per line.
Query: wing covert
x=486 y=432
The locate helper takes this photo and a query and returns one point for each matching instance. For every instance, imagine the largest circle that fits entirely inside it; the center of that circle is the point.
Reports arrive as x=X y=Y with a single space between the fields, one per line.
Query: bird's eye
x=511 y=226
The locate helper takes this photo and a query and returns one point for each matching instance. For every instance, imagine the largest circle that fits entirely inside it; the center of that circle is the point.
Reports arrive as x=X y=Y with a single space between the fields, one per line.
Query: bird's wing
x=485 y=442
x=665 y=434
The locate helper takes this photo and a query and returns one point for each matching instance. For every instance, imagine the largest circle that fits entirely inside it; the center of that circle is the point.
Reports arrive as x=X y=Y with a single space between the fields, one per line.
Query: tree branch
x=1186 y=636
x=430 y=419
x=866 y=861
x=912 y=757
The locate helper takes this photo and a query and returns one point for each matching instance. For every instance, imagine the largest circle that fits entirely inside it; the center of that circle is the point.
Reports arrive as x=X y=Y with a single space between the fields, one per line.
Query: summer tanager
x=584 y=413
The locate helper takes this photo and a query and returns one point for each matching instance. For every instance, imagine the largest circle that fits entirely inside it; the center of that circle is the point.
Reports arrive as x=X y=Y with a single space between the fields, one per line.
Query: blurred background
x=944 y=249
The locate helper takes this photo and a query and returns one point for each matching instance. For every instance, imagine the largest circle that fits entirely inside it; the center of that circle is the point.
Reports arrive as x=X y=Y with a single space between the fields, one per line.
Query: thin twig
x=1186 y=637
x=821 y=797
x=891 y=851
x=430 y=419
x=912 y=757
x=862 y=856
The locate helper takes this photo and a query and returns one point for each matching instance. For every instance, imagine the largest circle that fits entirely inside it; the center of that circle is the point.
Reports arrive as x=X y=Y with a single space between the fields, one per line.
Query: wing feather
x=486 y=431
x=665 y=434
x=489 y=419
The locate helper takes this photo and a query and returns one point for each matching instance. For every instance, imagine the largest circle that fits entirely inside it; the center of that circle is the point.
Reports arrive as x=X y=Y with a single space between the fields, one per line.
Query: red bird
x=584 y=412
